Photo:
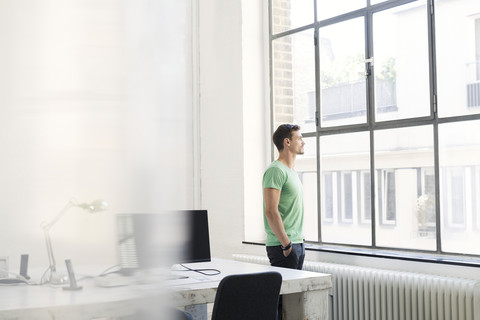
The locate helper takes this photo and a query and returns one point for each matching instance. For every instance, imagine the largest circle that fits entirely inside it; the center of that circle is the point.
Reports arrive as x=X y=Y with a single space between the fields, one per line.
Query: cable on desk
x=113 y=269
x=205 y=272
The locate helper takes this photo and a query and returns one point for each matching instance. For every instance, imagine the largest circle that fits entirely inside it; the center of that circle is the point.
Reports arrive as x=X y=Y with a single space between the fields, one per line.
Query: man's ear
x=287 y=141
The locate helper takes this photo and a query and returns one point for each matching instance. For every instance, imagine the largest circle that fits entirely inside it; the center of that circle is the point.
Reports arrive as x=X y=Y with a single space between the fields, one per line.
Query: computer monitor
x=147 y=240
x=198 y=238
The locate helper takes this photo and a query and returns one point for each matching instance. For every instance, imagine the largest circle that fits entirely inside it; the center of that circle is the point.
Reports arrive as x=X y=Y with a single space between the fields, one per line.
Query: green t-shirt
x=279 y=176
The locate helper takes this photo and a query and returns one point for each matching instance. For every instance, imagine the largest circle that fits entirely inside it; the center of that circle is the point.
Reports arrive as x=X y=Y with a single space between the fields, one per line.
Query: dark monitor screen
x=148 y=240
x=198 y=247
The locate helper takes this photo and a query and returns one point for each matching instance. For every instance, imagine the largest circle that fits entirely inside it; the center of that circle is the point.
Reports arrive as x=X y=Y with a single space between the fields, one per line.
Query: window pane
x=345 y=188
x=328 y=196
x=329 y=9
x=306 y=166
x=347 y=197
x=391 y=212
x=458 y=56
x=401 y=155
x=288 y=14
x=294 y=80
x=426 y=199
x=342 y=68
x=401 y=67
x=460 y=186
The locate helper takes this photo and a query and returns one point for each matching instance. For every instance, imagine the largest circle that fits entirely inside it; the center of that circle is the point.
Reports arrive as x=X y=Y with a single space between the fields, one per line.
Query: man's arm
x=272 y=198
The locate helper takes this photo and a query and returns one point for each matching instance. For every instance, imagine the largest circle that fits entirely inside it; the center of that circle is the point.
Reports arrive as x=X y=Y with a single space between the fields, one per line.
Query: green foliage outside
x=352 y=69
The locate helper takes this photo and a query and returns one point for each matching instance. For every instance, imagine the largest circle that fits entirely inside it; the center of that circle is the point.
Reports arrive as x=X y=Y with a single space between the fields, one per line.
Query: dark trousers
x=293 y=261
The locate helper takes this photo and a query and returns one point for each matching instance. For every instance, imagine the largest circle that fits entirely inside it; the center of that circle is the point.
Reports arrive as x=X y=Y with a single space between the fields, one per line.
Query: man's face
x=296 y=144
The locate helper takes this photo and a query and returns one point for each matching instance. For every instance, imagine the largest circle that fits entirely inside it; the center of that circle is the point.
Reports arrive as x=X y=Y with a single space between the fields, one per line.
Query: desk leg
x=198 y=311
x=309 y=305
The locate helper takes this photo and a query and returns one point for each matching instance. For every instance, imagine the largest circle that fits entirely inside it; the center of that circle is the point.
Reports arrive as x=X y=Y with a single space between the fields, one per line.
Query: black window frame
x=372 y=126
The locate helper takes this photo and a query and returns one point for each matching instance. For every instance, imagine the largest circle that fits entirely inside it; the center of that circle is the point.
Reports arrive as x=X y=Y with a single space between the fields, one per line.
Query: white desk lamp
x=93 y=207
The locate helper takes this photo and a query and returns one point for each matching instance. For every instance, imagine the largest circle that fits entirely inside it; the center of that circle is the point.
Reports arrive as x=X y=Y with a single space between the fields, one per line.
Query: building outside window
x=388 y=98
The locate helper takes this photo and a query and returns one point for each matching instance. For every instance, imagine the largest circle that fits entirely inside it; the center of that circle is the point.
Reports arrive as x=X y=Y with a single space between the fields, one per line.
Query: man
x=283 y=201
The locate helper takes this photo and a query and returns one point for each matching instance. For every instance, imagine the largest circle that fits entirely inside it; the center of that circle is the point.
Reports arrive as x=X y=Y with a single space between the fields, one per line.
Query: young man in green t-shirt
x=283 y=201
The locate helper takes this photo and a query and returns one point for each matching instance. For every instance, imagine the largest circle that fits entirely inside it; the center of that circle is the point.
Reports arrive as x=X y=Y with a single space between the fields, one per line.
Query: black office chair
x=248 y=296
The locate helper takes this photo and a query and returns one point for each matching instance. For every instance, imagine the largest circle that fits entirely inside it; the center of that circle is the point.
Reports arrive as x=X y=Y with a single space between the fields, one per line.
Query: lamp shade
x=95 y=206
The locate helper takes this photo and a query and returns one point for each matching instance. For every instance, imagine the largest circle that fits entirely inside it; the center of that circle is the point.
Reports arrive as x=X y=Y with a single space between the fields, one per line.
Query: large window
x=388 y=95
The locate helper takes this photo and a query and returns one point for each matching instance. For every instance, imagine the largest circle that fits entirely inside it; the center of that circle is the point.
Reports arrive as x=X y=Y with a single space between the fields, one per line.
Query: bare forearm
x=276 y=224
x=272 y=198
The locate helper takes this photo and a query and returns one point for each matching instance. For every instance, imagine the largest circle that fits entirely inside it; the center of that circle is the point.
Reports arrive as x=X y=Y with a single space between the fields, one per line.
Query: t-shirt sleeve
x=274 y=178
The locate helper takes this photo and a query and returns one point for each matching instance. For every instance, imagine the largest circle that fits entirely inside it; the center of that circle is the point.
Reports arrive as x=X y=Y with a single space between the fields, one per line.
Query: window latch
x=368 y=65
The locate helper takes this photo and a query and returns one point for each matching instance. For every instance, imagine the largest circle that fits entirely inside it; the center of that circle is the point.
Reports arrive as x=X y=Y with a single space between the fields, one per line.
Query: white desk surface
x=42 y=302
x=199 y=289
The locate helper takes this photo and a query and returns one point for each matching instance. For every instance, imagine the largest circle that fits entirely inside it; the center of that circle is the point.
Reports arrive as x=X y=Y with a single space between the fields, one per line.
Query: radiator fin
x=379 y=294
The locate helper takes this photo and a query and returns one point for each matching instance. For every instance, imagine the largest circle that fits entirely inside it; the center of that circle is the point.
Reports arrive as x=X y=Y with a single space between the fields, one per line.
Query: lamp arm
x=51 y=258
x=70 y=204
x=46 y=228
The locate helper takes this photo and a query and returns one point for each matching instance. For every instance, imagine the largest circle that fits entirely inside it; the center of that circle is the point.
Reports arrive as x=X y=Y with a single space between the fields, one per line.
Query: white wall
x=256 y=107
x=233 y=118
x=221 y=121
x=95 y=102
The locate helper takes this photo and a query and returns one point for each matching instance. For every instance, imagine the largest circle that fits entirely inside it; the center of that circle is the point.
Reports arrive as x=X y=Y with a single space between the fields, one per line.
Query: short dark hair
x=283 y=131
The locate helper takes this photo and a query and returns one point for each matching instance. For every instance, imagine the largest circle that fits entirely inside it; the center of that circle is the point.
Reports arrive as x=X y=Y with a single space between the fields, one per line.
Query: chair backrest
x=248 y=296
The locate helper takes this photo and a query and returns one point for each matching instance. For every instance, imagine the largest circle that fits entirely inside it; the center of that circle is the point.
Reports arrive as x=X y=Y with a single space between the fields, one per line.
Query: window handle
x=368 y=65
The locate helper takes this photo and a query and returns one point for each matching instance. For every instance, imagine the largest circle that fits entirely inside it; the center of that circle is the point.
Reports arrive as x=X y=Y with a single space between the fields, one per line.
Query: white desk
x=305 y=295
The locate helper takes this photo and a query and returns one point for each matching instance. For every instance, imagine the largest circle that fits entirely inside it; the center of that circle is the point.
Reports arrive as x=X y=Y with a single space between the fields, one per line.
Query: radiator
x=378 y=294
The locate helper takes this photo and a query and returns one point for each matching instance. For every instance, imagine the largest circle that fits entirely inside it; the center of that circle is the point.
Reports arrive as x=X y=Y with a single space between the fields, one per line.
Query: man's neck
x=287 y=159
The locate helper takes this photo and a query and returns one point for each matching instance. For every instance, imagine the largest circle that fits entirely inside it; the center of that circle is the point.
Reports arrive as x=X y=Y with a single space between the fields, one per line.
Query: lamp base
x=58 y=278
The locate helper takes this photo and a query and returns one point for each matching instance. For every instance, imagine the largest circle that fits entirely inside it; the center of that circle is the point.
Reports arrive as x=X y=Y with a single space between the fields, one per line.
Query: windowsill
x=426 y=257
